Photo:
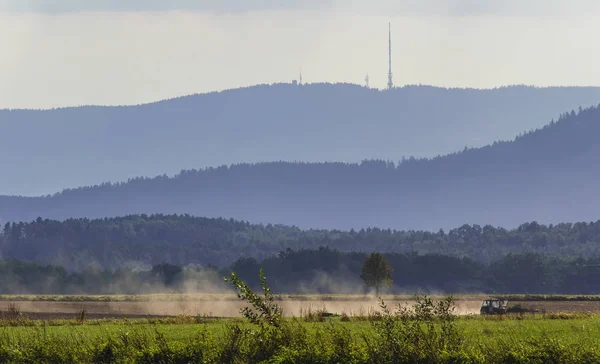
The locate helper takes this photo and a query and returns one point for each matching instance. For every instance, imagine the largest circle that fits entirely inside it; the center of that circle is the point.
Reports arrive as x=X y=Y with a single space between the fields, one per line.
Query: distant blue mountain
x=549 y=175
x=47 y=150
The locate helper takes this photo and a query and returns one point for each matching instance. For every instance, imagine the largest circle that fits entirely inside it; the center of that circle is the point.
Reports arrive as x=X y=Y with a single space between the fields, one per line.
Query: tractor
x=493 y=307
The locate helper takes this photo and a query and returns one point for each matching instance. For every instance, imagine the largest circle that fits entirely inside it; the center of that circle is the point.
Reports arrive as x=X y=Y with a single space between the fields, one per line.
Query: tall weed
x=425 y=332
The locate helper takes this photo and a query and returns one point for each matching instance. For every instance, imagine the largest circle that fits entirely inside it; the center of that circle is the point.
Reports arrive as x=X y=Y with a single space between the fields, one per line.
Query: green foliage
x=376 y=272
x=273 y=333
x=466 y=259
x=527 y=277
x=219 y=242
x=262 y=309
x=414 y=335
x=426 y=333
x=317 y=315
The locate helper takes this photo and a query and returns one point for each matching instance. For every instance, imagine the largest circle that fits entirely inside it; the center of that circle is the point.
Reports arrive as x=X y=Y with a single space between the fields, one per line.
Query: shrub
x=13 y=311
x=427 y=332
x=263 y=309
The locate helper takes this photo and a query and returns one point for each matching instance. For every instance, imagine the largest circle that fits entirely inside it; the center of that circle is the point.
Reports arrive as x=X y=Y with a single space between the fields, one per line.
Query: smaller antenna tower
x=390 y=74
x=367 y=81
x=300 y=81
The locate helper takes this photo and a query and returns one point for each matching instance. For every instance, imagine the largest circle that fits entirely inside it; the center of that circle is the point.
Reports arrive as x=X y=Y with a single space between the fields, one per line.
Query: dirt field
x=562 y=306
x=225 y=308
x=230 y=308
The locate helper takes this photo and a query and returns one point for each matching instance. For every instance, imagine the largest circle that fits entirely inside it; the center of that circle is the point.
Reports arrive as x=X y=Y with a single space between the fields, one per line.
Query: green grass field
x=529 y=338
x=426 y=333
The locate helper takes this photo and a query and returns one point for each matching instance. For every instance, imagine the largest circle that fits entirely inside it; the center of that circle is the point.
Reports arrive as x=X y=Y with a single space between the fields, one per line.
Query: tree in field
x=376 y=272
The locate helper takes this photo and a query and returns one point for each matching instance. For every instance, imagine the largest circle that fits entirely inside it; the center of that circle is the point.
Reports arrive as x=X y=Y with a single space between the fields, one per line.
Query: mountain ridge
x=317 y=122
x=275 y=84
x=548 y=175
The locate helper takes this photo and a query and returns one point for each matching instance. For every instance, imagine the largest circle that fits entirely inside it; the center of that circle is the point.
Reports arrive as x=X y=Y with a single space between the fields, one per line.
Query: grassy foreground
x=312 y=339
x=427 y=332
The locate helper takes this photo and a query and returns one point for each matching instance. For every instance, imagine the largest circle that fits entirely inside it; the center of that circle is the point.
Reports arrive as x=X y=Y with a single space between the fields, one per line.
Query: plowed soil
x=229 y=308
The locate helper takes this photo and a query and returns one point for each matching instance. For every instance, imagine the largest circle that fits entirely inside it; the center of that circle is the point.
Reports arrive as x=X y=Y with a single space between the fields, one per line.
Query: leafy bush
x=427 y=332
x=263 y=309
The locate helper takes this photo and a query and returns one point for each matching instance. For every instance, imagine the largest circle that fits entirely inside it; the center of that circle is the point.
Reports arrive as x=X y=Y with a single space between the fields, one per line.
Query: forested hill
x=54 y=149
x=550 y=175
x=144 y=240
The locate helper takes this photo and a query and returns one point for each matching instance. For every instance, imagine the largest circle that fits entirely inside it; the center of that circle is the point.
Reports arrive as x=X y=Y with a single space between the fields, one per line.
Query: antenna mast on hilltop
x=390 y=75
x=300 y=75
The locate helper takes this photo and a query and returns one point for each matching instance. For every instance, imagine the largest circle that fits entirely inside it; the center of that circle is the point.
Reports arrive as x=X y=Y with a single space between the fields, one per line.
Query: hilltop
x=549 y=175
x=48 y=150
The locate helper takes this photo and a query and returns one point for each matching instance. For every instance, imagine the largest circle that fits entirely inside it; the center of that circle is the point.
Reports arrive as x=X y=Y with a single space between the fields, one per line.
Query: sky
x=114 y=52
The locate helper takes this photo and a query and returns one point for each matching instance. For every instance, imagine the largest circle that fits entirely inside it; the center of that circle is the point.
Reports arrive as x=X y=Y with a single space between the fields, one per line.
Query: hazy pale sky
x=74 y=52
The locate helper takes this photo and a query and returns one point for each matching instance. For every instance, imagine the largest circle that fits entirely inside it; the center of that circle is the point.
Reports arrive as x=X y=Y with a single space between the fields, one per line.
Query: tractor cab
x=493 y=307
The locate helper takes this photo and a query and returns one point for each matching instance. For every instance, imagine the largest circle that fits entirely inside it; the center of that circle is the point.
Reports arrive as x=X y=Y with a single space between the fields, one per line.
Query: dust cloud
x=322 y=282
x=227 y=306
x=205 y=293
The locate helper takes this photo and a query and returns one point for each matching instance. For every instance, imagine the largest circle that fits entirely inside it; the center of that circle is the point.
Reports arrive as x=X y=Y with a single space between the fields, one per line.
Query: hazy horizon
x=114 y=53
x=316 y=83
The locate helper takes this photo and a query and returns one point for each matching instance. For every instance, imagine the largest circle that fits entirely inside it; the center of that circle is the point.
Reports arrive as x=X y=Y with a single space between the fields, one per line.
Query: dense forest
x=549 y=175
x=140 y=241
x=318 y=271
x=54 y=149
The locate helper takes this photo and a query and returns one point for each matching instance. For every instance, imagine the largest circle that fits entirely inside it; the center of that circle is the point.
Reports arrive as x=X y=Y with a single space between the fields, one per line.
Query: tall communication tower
x=300 y=75
x=390 y=75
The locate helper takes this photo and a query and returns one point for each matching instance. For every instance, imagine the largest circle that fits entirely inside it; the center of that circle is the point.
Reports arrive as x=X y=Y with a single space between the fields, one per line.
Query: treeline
x=329 y=271
x=146 y=240
x=182 y=240
x=318 y=271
